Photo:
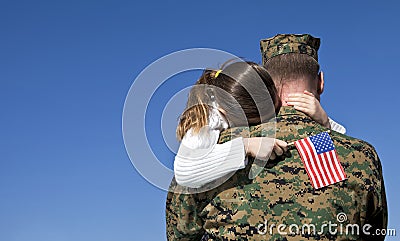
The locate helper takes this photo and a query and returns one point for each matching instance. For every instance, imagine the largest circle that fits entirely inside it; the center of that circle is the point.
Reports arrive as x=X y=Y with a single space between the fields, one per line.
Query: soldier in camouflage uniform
x=280 y=203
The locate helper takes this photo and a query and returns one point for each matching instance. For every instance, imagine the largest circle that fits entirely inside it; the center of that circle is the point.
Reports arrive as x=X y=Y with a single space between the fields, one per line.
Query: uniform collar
x=289 y=110
x=296 y=124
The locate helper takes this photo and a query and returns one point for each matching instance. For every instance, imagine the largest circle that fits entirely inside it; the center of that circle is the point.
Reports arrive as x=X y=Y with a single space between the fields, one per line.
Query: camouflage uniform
x=282 y=194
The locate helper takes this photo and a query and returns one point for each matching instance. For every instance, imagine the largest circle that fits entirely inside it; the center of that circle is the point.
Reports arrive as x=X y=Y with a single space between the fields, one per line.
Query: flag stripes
x=320 y=160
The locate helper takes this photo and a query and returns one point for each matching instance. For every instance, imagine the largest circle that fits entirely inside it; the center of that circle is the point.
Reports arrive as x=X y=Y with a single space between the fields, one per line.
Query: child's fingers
x=278 y=150
x=281 y=144
x=308 y=93
x=305 y=93
x=300 y=98
x=294 y=95
x=298 y=101
x=298 y=104
x=302 y=109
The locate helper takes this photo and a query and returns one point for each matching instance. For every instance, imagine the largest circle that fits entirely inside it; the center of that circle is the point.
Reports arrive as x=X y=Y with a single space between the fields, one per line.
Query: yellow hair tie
x=216 y=74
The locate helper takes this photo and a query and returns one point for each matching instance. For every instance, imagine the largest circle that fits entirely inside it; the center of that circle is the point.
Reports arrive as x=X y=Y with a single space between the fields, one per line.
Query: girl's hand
x=264 y=148
x=308 y=104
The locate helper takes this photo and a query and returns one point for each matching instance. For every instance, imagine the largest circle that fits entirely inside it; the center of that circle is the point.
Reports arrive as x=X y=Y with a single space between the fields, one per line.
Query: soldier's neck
x=293 y=87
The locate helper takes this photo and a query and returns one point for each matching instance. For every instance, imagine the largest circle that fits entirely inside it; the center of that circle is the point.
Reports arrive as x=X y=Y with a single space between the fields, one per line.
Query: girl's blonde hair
x=197 y=110
x=234 y=96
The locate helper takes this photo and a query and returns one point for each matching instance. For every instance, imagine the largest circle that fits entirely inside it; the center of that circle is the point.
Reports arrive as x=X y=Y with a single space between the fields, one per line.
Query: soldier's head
x=292 y=61
x=238 y=91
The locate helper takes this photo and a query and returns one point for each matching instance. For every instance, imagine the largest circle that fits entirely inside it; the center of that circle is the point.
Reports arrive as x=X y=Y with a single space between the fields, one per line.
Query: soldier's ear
x=320 y=87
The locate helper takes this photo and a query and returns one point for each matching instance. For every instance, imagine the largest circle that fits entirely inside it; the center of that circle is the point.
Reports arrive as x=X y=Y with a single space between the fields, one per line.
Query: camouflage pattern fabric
x=289 y=43
x=282 y=194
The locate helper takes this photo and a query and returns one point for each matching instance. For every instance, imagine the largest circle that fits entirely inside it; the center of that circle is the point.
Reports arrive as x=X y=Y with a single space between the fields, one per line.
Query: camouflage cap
x=289 y=43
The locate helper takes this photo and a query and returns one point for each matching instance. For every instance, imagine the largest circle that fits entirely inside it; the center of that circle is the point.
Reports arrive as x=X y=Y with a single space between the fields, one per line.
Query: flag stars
x=322 y=142
x=320 y=159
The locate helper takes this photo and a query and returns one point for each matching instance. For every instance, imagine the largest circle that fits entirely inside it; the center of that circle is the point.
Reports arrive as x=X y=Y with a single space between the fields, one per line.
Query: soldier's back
x=281 y=204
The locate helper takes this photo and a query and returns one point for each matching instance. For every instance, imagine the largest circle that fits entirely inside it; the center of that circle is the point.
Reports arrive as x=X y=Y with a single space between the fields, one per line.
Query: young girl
x=221 y=99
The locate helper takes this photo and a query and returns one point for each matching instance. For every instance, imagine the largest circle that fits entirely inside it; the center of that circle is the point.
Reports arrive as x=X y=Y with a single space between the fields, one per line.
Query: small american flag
x=320 y=160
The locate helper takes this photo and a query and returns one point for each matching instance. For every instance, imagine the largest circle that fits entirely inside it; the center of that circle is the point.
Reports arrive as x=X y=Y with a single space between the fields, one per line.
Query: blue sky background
x=66 y=68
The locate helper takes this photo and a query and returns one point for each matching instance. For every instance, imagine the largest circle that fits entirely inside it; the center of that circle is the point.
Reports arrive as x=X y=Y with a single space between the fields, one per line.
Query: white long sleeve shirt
x=201 y=160
x=336 y=126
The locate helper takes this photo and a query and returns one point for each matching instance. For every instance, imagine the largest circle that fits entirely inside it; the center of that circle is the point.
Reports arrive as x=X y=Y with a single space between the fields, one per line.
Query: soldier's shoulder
x=350 y=145
x=232 y=133
x=355 y=142
x=359 y=160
